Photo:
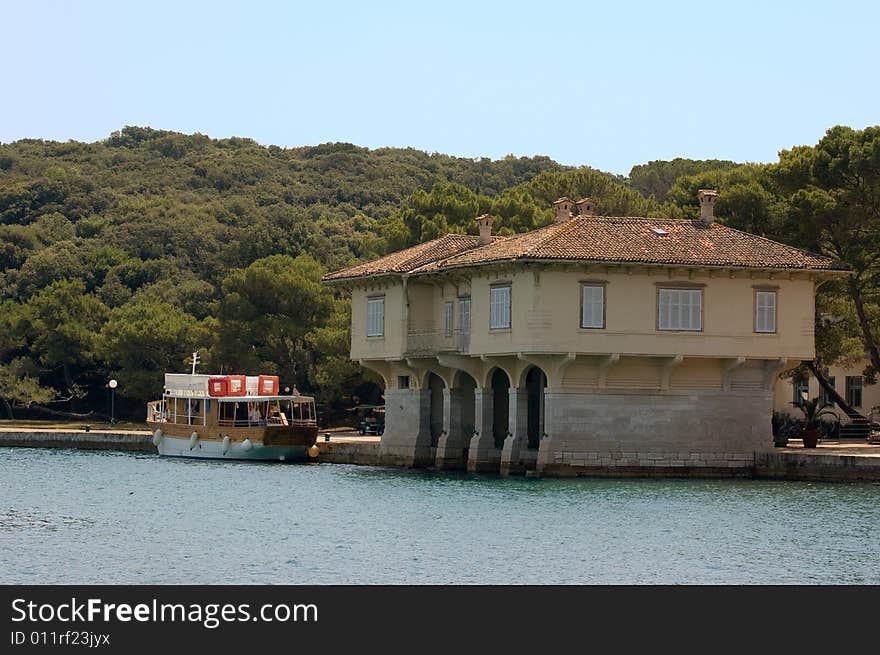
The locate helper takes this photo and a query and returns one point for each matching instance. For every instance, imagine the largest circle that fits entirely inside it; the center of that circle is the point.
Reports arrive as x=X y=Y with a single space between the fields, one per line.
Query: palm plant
x=814 y=411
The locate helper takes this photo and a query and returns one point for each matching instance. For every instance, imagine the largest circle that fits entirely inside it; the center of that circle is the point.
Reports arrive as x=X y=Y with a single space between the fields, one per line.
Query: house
x=847 y=380
x=594 y=345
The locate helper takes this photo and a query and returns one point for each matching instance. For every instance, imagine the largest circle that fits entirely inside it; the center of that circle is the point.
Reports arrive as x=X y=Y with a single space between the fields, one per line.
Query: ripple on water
x=92 y=517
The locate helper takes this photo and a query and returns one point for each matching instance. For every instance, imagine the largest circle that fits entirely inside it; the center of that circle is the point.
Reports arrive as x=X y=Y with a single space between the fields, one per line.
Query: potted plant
x=814 y=409
x=778 y=424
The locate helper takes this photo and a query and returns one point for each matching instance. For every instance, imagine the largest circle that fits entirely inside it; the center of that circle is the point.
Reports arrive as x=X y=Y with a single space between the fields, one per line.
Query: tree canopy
x=119 y=257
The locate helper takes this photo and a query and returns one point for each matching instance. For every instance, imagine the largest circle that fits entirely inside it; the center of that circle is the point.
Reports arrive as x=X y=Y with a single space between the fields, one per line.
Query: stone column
x=452 y=442
x=546 y=448
x=518 y=439
x=407 y=437
x=482 y=454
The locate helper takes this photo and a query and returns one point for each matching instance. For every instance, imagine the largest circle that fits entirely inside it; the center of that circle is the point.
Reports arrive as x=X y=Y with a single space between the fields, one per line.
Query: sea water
x=71 y=517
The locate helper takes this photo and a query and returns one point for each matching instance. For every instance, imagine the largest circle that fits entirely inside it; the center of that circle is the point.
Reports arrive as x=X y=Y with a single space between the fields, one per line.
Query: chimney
x=707 y=206
x=586 y=207
x=485 y=222
x=563 y=209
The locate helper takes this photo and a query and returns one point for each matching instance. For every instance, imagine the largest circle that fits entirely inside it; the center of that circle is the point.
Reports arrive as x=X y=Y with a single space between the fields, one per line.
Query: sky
x=606 y=84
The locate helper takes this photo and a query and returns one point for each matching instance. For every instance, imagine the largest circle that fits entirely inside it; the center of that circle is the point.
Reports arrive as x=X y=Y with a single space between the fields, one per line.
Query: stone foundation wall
x=666 y=433
x=407 y=437
x=589 y=431
x=93 y=440
x=651 y=464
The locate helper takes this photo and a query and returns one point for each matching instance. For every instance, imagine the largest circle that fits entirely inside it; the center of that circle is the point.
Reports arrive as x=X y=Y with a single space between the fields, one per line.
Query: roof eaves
x=633 y=262
x=802 y=251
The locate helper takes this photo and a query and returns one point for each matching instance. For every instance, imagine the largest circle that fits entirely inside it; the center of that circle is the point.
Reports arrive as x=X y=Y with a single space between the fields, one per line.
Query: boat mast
x=189 y=402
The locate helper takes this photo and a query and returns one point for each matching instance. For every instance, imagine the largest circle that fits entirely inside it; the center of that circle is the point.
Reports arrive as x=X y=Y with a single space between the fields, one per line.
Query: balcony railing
x=431 y=342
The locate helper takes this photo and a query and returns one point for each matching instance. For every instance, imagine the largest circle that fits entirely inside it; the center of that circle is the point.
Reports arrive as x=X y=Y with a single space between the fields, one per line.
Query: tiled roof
x=405 y=261
x=604 y=239
x=613 y=239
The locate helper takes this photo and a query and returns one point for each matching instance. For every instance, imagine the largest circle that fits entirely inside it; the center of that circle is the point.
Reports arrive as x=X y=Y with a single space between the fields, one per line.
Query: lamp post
x=112 y=384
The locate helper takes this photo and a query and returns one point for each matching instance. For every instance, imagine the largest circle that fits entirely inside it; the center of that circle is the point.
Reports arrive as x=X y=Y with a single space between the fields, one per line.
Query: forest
x=120 y=258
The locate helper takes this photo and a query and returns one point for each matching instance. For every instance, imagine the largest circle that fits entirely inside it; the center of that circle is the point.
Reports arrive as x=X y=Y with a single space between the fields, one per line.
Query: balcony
x=428 y=343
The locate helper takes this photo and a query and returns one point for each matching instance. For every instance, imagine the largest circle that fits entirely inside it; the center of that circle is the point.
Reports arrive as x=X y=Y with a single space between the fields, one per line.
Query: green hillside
x=118 y=258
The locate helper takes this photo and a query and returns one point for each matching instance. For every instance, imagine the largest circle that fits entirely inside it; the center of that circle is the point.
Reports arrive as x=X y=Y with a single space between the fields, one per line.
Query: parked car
x=372 y=419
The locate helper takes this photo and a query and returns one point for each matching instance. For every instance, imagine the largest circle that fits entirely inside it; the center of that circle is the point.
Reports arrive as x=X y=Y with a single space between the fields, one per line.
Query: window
x=592 y=306
x=464 y=315
x=499 y=307
x=680 y=309
x=464 y=323
x=403 y=382
x=801 y=391
x=826 y=397
x=854 y=390
x=447 y=318
x=765 y=311
x=376 y=316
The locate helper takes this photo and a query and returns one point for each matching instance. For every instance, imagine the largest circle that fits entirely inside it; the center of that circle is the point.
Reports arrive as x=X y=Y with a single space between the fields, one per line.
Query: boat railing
x=271 y=421
x=155 y=413
x=159 y=412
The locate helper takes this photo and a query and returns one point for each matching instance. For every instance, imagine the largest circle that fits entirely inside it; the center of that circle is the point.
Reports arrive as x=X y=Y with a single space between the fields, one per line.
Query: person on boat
x=254 y=417
x=295 y=391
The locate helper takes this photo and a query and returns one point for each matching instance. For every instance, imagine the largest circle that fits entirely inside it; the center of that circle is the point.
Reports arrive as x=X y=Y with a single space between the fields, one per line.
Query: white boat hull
x=178 y=447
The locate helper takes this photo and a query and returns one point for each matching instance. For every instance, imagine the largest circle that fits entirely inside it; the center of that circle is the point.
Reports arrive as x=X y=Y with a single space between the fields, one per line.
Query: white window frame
x=376 y=316
x=448 y=318
x=593 y=309
x=500 y=306
x=464 y=315
x=765 y=311
x=677 y=310
x=855 y=383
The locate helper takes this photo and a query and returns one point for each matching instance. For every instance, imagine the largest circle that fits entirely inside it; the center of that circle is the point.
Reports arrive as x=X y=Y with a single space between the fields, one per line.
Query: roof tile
x=602 y=239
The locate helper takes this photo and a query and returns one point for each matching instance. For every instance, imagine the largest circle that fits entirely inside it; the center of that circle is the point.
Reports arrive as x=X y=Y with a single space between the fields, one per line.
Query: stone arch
x=534 y=381
x=466 y=385
x=435 y=386
x=424 y=371
x=498 y=381
x=383 y=369
x=489 y=371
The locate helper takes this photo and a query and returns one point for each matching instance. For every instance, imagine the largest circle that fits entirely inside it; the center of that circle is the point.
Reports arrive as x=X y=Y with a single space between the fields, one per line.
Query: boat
x=237 y=417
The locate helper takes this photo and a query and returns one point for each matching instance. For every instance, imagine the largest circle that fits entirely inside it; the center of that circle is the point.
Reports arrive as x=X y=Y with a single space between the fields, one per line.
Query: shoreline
x=830 y=462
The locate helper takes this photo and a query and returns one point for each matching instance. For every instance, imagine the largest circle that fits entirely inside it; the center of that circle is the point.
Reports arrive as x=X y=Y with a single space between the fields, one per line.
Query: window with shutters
x=592 y=306
x=376 y=316
x=447 y=318
x=680 y=309
x=464 y=315
x=765 y=311
x=499 y=307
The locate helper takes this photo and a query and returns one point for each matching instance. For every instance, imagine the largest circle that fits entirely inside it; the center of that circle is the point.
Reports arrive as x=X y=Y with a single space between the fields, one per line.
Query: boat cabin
x=229 y=401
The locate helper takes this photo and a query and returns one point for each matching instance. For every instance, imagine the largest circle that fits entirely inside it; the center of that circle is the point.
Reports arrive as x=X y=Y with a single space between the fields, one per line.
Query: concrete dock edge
x=831 y=465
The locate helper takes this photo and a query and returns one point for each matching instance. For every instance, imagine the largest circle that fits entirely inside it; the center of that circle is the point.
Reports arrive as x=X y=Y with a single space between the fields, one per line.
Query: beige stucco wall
x=546 y=315
x=783 y=393
x=392 y=343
